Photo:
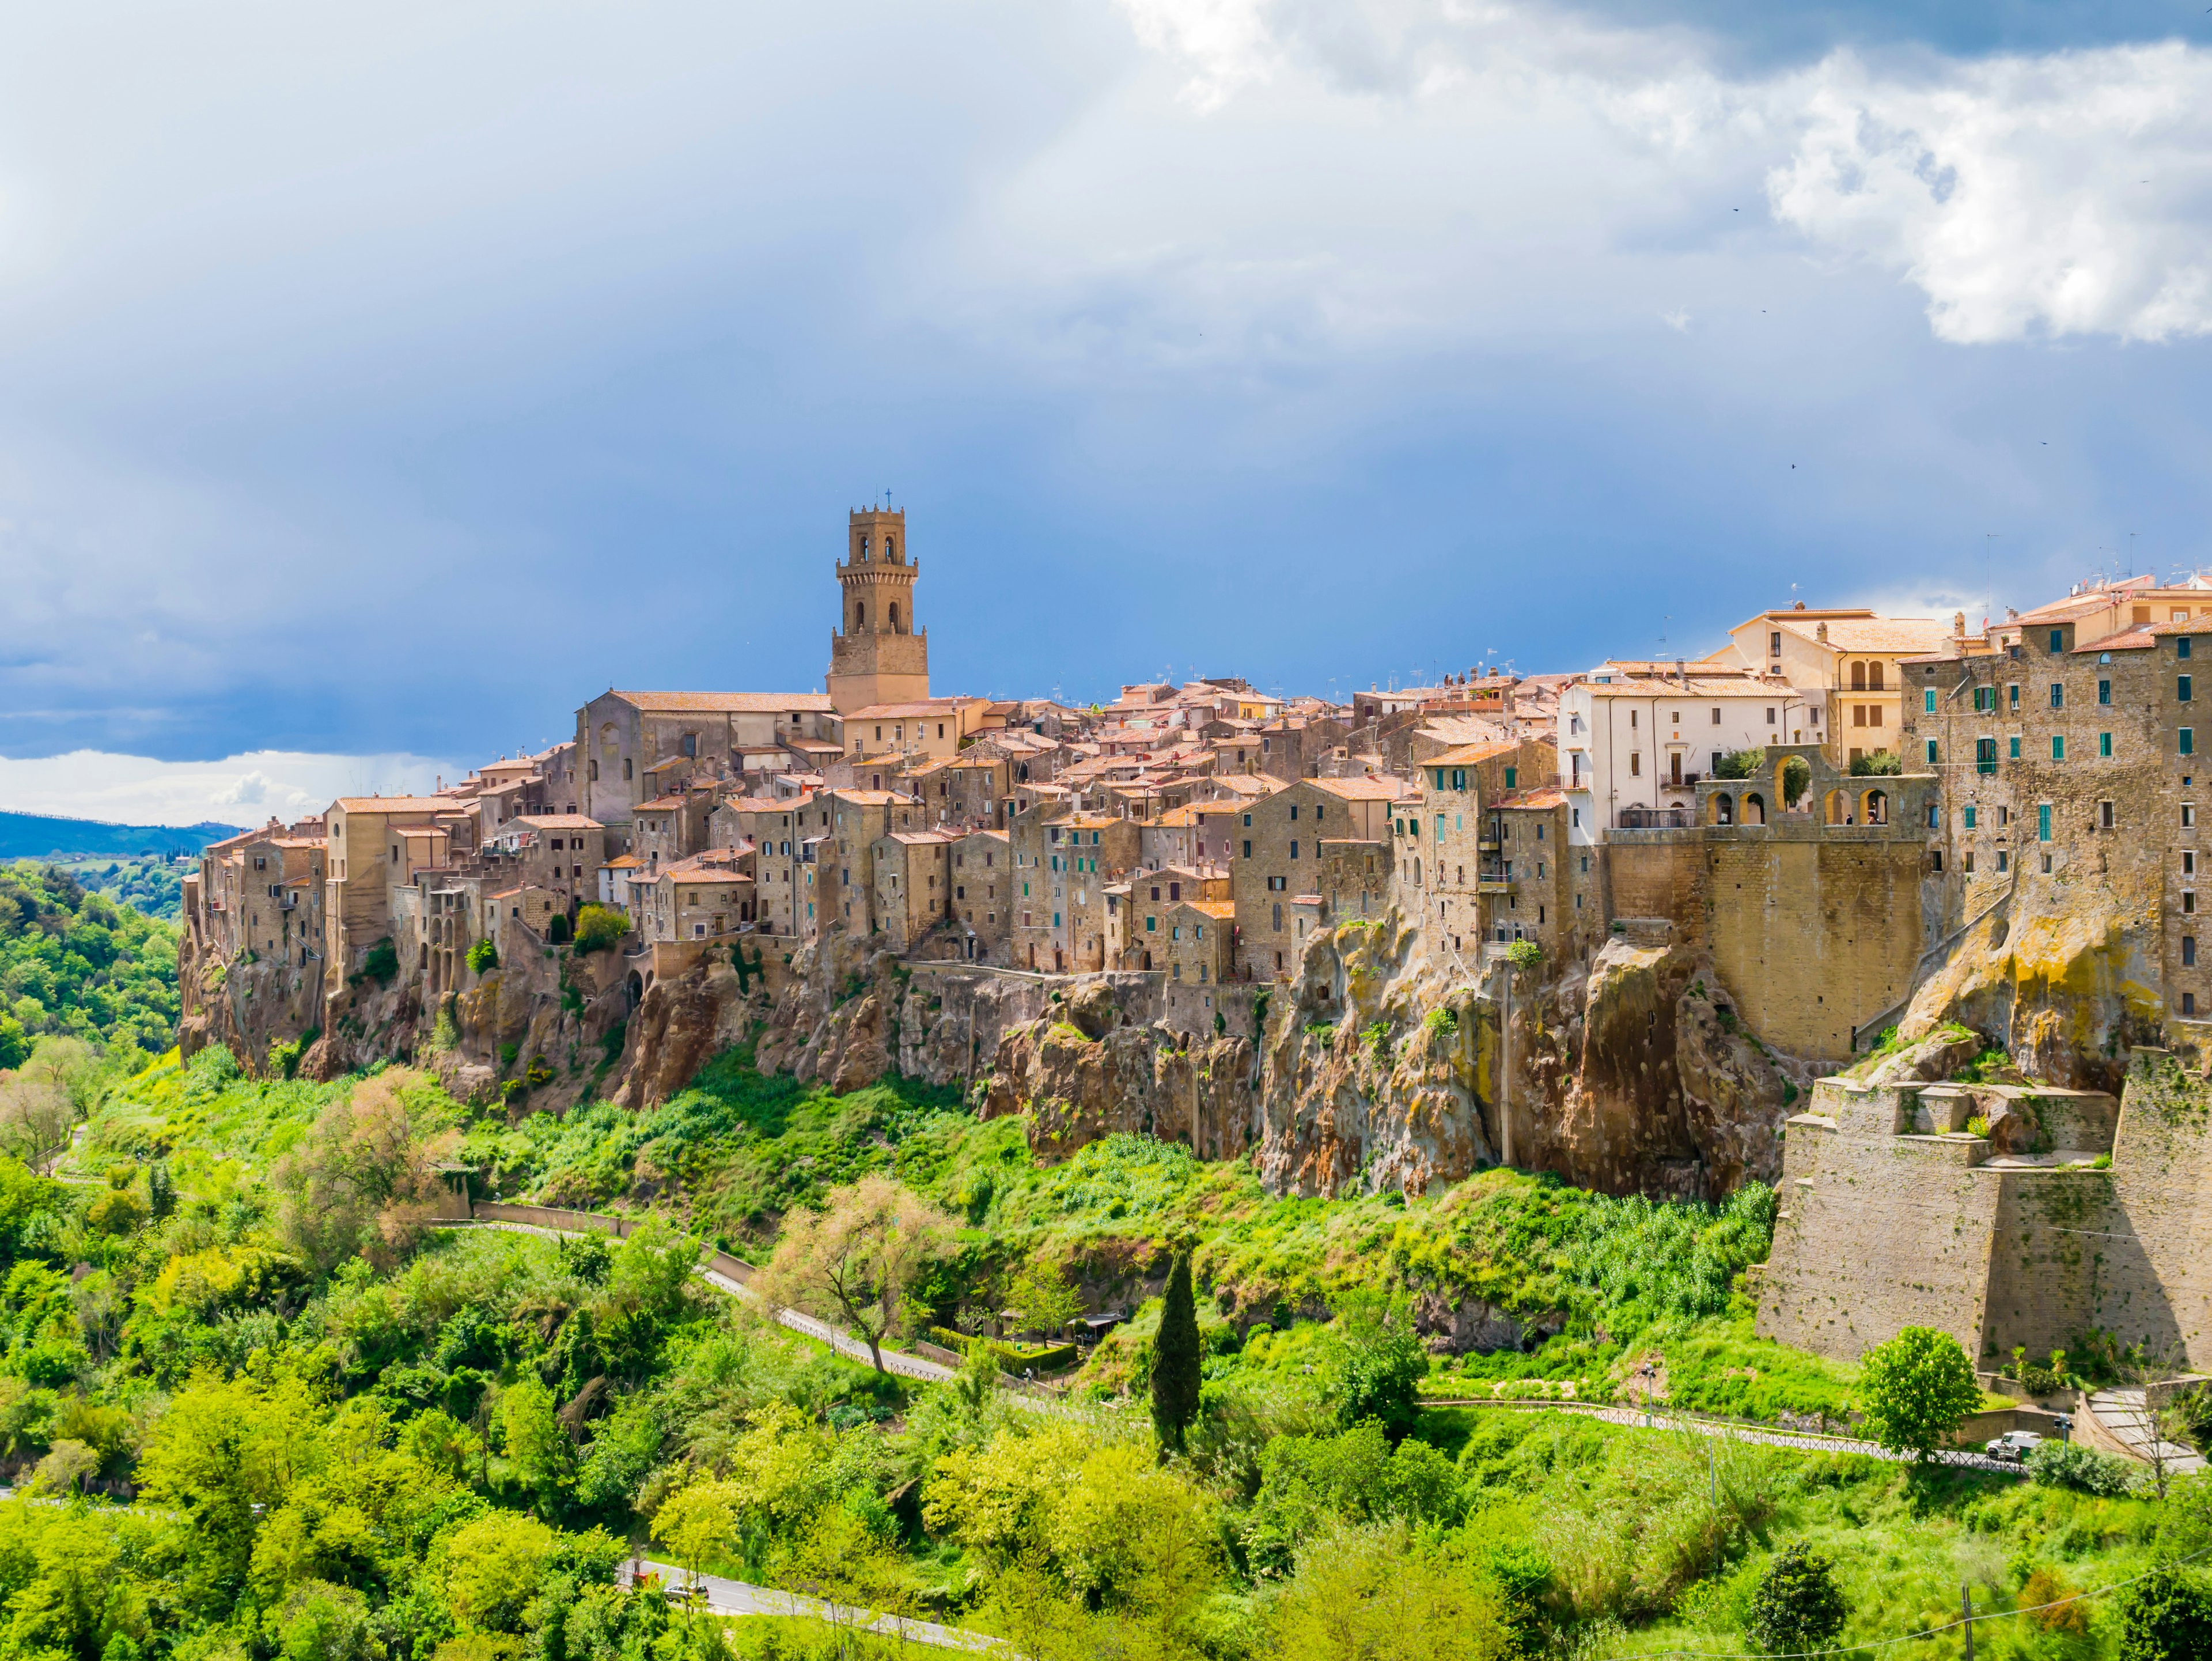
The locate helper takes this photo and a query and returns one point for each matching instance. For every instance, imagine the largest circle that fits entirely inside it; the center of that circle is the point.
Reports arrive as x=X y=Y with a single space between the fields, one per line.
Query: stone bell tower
x=878 y=656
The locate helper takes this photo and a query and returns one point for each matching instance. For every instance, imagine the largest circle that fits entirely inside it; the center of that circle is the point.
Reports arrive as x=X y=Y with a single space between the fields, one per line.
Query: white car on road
x=2013 y=1444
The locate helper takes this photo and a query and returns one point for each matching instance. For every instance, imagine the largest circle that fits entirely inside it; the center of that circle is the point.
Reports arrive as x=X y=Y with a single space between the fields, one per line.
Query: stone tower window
x=895 y=627
x=860 y=615
x=890 y=547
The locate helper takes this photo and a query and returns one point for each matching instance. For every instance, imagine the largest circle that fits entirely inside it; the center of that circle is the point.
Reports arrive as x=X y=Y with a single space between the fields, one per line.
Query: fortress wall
x=2155 y=1286
x=1876 y=1232
x=1659 y=875
x=1814 y=934
x=2053 y=1260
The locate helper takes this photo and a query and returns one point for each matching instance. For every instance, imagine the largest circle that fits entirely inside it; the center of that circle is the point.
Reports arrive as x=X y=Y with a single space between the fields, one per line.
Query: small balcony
x=1494 y=877
x=1656 y=819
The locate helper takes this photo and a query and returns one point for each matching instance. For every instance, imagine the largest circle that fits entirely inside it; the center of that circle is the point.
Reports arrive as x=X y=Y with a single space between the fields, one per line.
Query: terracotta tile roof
x=559 y=822
x=926 y=706
x=875 y=797
x=733 y=703
x=682 y=877
x=996 y=836
x=1539 y=799
x=1178 y=819
x=1240 y=784
x=756 y=805
x=913 y=838
x=661 y=805
x=1467 y=754
x=1364 y=790
x=1872 y=633
x=1222 y=909
x=626 y=862
x=395 y=804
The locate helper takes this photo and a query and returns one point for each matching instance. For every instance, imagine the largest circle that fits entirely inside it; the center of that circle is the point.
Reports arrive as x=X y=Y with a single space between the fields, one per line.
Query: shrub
x=1915 y=1389
x=1524 y=954
x=557 y=929
x=2166 y=1617
x=483 y=957
x=1740 y=764
x=2085 y=1470
x=600 y=926
x=1880 y=763
x=1441 y=1021
x=1798 y=1605
x=381 y=963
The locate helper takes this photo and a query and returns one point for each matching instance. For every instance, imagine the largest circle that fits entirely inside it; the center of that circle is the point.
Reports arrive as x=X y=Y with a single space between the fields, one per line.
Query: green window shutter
x=1928 y=698
x=1931 y=745
x=2057 y=747
x=2043 y=823
x=2103 y=744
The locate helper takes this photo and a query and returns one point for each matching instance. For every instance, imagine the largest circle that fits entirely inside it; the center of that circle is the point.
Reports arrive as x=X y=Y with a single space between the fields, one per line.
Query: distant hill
x=35 y=836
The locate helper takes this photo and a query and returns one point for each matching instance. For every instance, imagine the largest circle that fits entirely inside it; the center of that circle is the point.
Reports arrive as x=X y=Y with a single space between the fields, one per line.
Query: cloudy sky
x=378 y=383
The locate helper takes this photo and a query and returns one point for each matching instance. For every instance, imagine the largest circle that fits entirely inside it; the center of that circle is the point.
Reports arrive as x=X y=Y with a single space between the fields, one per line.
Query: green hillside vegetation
x=77 y=963
x=262 y=1403
x=151 y=885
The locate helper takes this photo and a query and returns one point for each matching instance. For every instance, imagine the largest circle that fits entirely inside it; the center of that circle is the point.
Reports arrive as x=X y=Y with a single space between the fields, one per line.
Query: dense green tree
x=1798 y=1605
x=1176 y=1358
x=2166 y=1617
x=1915 y=1389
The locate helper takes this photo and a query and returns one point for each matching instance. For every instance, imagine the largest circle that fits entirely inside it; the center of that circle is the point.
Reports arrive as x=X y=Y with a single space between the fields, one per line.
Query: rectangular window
x=2043 y=822
x=2057 y=695
x=1151 y=925
x=1247 y=845
x=2104 y=692
x=1928 y=705
x=2189 y=1003
x=2181 y=689
x=2189 y=816
x=2104 y=816
x=2013 y=694
x=1510 y=773
x=1968 y=814
x=2103 y=744
x=1932 y=752
x=2189 y=902
x=2004 y=862
x=2186 y=740
x=2188 y=861
x=1969 y=864
x=2015 y=752
x=2057 y=747
x=2189 y=951
x=1985 y=755
x=1636 y=762
x=2057 y=640
x=1717 y=717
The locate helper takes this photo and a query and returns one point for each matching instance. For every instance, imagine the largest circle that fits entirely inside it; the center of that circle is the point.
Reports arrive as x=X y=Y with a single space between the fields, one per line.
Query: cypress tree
x=1175 y=1359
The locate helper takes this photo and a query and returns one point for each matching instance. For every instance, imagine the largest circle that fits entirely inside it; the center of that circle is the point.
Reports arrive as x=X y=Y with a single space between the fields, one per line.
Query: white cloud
x=1410 y=164
x=2060 y=195
x=237 y=790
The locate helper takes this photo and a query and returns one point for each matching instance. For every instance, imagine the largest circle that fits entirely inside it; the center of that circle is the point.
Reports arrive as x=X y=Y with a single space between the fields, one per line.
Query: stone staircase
x=2127 y=1429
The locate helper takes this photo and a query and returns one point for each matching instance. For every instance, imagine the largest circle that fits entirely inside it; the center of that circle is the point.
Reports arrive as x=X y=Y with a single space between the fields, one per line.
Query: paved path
x=2125 y=1415
x=907 y=1367
x=1637 y=1418
x=736 y=1598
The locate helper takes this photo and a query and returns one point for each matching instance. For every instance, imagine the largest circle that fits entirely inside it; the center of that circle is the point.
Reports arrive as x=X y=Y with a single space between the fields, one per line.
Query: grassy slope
x=1648 y=1542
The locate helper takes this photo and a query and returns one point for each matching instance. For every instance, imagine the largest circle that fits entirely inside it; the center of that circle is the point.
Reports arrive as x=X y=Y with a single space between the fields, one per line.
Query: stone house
x=1062 y=868
x=1455 y=872
x=857 y=820
x=622 y=736
x=1844 y=666
x=924 y=730
x=1151 y=897
x=983 y=891
x=375 y=844
x=913 y=882
x=1278 y=857
x=2069 y=773
x=562 y=853
x=770 y=828
x=705 y=898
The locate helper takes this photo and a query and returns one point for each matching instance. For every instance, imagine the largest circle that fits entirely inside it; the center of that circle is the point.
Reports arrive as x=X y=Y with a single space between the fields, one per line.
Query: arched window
x=863 y=547
x=627 y=770
x=860 y=615
x=1858 y=678
x=1754 y=810
x=895 y=627
x=890 y=547
x=1723 y=808
x=1874 y=677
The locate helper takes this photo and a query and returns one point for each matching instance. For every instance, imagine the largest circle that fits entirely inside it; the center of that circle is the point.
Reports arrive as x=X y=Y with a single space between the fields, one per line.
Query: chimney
x=1799 y=606
x=1820 y=632
x=1958 y=626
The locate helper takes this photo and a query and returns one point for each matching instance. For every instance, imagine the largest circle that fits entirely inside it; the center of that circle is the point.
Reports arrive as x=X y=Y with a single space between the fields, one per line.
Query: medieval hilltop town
x=1897 y=914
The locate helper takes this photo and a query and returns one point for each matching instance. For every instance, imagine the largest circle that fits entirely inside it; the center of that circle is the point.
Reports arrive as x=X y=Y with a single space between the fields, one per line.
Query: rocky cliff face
x=2065 y=991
